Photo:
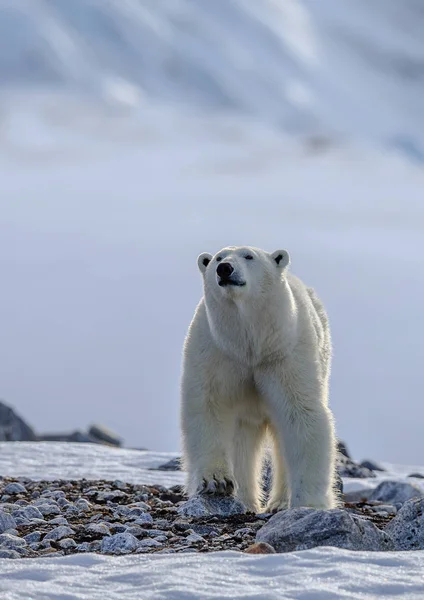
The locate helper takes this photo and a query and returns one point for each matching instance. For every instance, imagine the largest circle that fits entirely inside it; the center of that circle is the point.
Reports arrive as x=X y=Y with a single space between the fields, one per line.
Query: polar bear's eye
x=248 y=257
x=218 y=259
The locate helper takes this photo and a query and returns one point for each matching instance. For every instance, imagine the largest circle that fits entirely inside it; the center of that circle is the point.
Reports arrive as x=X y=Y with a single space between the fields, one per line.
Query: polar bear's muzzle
x=227 y=276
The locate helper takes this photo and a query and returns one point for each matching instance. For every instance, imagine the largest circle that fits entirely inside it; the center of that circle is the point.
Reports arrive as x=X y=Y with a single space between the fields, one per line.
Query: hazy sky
x=98 y=248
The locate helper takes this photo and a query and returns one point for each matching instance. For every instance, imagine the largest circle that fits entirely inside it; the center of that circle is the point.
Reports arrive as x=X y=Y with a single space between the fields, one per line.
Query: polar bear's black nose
x=224 y=270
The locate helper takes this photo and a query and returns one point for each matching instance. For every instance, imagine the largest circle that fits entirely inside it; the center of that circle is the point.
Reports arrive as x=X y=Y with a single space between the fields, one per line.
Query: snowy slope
x=347 y=66
x=101 y=217
x=319 y=574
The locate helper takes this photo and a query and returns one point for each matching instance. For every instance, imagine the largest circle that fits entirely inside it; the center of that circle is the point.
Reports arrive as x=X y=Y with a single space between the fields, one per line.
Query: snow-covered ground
x=319 y=574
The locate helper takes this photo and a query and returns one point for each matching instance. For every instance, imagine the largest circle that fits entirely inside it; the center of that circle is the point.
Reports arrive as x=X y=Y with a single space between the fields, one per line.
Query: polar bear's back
x=313 y=309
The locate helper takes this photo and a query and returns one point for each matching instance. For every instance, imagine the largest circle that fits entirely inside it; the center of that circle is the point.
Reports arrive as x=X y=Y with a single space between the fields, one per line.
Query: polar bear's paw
x=217 y=485
x=276 y=505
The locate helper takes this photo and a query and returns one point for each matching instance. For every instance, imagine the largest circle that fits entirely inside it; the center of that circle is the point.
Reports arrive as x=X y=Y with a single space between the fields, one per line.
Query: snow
x=320 y=574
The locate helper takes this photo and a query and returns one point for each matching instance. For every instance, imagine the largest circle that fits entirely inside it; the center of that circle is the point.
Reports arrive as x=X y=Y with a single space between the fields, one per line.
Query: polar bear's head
x=240 y=270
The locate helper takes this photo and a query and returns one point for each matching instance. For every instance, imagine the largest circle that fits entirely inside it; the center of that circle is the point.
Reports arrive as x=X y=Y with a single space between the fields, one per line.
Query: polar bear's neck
x=254 y=330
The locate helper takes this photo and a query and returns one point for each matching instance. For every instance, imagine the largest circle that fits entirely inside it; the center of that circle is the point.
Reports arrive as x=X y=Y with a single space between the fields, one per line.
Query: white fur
x=256 y=367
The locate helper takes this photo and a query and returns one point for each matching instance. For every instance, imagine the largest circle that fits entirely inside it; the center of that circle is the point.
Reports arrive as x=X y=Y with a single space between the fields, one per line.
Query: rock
x=137 y=531
x=58 y=521
x=194 y=538
x=48 y=509
x=33 y=538
x=83 y=505
x=67 y=544
x=104 y=435
x=260 y=548
x=407 y=528
x=89 y=546
x=347 y=467
x=111 y=496
x=393 y=492
x=369 y=464
x=5 y=553
x=172 y=465
x=143 y=519
x=304 y=528
x=206 y=506
x=98 y=528
x=28 y=512
x=14 y=488
x=120 y=543
x=342 y=449
x=417 y=475
x=6 y=521
x=11 y=542
x=150 y=543
x=58 y=533
x=13 y=428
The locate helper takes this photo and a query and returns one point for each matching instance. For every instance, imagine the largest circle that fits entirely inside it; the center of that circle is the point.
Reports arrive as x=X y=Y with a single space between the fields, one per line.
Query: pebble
x=58 y=521
x=195 y=538
x=100 y=528
x=11 y=541
x=144 y=519
x=5 y=553
x=59 y=533
x=67 y=544
x=14 y=488
x=48 y=509
x=6 y=521
x=32 y=538
x=151 y=543
x=120 y=543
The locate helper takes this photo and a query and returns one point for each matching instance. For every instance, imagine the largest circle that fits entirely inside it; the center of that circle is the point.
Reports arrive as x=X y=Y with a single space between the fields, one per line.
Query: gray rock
x=104 y=435
x=111 y=496
x=13 y=428
x=58 y=521
x=143 y=519
x=194 y=538
x=172 y=465
x=137 y=531
x=6 y=521
x=98 y=528
x=346 y=467
x=120 y=543
x=67 y=544
x=48 y=509
x=12 y=542
x=417 y=475
x=33 y=538
x=369 y=464
x=150 y=543
x=58 y=533
x=14 y=488
x=393 y=492
x=28 y=512
x=89 y=546
x=5 y=553
x=304 y=528
x=407 y=528
x=83 y=505
x=206 y=506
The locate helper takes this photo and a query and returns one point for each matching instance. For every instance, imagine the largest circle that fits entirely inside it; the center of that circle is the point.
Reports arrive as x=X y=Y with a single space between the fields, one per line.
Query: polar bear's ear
x=203 y=260
x=281 y=258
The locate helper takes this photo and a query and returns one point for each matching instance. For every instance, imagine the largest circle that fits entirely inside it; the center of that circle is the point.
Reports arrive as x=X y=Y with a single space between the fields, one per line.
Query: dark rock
x=6 y=521
x=13 y=428
x=304 y=528
x=205 y=506
x=393 y=492
x=347 y=467
x=417 y=475
x=342 y=449
x=407 y=528
x=172 y=465
x=104 y=435
x=369 y=464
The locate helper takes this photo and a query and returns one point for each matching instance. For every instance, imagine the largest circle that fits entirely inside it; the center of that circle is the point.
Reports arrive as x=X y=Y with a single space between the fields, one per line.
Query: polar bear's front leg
x=305 y=429
x=206 y=446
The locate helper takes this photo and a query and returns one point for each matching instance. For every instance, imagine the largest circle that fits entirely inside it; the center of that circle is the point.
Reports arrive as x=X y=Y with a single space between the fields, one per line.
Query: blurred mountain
x=341 y=66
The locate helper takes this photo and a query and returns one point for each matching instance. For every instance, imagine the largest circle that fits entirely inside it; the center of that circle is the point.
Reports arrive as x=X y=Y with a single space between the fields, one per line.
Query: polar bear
x=256 y=366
